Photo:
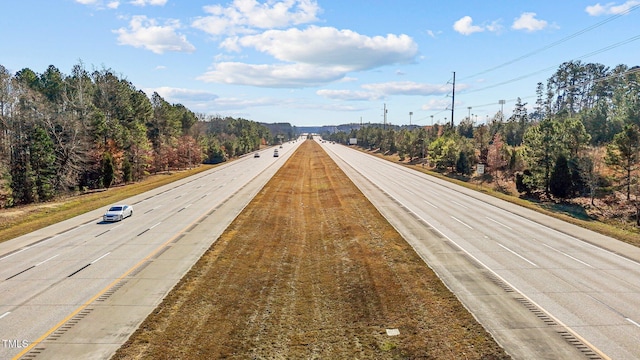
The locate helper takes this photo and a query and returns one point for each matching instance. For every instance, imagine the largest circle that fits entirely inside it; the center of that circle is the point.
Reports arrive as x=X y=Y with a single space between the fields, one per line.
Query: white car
x=118 y=212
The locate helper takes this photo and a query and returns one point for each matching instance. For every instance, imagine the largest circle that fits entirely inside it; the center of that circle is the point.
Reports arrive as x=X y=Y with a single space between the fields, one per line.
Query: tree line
x=582 y=137
x=93 y=129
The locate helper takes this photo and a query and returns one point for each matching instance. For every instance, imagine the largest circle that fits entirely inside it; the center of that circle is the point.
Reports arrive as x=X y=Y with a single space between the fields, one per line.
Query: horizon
x=310 y=62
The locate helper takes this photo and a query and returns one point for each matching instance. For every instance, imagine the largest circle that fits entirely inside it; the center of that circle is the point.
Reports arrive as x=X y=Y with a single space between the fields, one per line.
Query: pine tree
x=560 y=183
x=463 y=165
x=108 y=170
x=624 y=154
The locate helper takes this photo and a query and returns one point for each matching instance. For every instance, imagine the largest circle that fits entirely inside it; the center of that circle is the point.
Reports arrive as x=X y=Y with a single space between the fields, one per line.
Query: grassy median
x=310 y=269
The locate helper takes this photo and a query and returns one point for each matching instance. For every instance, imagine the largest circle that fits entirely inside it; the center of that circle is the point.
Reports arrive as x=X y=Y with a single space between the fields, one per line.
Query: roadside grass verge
x=25 y=219
x=570 y=214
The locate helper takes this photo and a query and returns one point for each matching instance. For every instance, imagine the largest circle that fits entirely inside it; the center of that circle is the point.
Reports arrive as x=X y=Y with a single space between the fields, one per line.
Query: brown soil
x=310 y=269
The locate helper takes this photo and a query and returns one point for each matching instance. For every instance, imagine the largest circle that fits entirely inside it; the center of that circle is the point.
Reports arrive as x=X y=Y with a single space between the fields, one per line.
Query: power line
x=565 y=39
x=604 y=78
x=556 y=43
x=607 y=48
x=601 y=50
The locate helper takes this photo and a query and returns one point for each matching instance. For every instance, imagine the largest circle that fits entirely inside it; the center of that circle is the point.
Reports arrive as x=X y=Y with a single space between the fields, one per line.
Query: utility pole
x=453 y=98
x=384 y=116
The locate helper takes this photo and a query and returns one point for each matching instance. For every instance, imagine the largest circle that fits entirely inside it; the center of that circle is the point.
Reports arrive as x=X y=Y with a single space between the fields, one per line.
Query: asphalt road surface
x=53 y=279
x=543 y=288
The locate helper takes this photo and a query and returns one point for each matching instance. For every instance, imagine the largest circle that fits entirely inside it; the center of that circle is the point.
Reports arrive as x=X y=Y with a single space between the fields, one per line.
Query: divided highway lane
x=47 y=275
x=578 y=279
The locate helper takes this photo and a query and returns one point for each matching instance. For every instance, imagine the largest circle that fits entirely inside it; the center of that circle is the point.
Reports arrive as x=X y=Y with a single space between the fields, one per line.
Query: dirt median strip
x=310 y=269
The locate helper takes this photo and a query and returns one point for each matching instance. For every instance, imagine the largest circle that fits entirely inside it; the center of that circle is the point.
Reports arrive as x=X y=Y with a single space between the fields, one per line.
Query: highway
x=542 y=287
x=53 y=279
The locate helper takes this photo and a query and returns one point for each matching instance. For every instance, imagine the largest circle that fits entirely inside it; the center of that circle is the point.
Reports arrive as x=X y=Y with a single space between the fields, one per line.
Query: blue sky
x=324 y=62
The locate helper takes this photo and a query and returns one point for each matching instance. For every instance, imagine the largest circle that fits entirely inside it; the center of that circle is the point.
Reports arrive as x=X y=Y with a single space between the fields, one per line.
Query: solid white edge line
x=15 y=253
x=557 y=320
x=5 y=314
x=516 y=254
x=612 y=253
x=581 y=241
x=567 y=255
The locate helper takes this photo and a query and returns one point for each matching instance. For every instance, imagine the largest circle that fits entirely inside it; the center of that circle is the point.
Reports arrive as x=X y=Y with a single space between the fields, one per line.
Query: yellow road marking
x=101 y=292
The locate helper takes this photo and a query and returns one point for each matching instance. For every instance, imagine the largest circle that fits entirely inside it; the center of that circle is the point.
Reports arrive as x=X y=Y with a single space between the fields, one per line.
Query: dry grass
x=310 y=269
x=22 y=220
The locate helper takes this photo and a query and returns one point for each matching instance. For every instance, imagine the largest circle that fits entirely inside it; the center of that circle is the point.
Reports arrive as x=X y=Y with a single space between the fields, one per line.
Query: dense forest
x=93 y=129
x=582 y=138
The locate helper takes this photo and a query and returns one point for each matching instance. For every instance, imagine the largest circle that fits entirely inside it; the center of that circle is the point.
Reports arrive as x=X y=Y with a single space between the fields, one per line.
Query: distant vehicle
x=256 y=155
x=275 y=153
x=118 y=212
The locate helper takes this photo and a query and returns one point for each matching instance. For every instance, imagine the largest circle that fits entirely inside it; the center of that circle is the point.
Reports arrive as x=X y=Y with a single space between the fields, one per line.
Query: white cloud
x=310 y=57
x=247 y=16
x=207 y=102
x=234 y=102
x=494 y=26
x=406 y=88
x=611 y=8
x=528 y=22
x=465 y=26
x=181 y=95
x=377 y=91
x=437 y=104
x=100 y=4
x=146 y=33
x=330 y=47
x=349 y=95
x=276 y=76
x=149 y=2
x=348 y=79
